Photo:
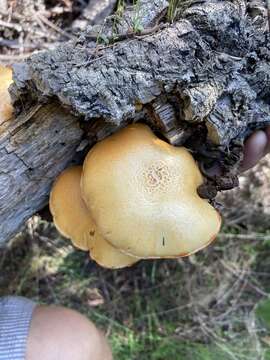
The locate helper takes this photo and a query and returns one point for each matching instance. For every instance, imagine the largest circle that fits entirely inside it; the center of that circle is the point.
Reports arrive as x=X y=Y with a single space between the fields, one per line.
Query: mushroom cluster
x=134 y=198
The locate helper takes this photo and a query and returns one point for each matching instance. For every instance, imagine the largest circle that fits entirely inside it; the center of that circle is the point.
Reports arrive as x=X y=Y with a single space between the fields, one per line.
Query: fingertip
x=254 y=149
x=267 y=131
x=258 y=139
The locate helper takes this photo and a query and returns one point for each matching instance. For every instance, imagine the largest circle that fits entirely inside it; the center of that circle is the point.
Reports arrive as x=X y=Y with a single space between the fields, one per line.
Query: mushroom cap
x=142 y=194
x=6 y=107
x=108 y=256
x=73 y=220
x=70 y=214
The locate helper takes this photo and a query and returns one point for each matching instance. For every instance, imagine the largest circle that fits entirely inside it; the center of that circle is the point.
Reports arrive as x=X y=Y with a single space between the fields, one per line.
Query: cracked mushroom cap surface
x=142 y=194
x=6 y=107
x=73 y=220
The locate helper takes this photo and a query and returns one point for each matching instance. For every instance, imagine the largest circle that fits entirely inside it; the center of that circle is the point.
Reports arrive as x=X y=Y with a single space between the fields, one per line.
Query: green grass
x=214 y=305
x=159 y=348
x=155 y=310
x=172 y=10
x=263 y=312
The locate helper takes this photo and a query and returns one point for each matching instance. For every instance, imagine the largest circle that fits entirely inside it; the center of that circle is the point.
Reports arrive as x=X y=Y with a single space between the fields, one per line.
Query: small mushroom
x=142 y=195
x=73 y=220
x=6 y=107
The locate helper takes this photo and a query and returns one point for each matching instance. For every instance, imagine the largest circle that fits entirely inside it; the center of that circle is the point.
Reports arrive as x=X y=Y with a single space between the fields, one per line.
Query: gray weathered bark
x=34 y=149
x=203 y=81
x=214 y=60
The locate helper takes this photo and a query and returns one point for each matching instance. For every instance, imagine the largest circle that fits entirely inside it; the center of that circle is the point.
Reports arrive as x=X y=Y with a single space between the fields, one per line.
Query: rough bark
x=215 y=60
x=202 y=81
x=34 y=149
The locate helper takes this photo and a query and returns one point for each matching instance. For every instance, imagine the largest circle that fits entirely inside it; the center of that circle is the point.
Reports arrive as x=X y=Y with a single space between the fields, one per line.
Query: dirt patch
x=27 y=26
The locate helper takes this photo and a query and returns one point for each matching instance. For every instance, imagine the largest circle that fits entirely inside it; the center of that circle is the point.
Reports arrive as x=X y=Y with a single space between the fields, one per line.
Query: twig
x=239 y=273
x=12 y=57
x=236 y=285
x=165 y=312
x=11 y=25
x=55 y=27
x=268 y=12
x=129 y=35
x=13 y=44
x=252 y=236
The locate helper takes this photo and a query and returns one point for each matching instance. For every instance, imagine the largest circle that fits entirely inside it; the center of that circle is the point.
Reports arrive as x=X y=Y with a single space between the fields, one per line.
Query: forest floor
x=215 y=304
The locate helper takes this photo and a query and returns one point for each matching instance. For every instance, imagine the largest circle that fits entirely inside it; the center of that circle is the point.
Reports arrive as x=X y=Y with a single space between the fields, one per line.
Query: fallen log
x=202 y=82
x=34 y=149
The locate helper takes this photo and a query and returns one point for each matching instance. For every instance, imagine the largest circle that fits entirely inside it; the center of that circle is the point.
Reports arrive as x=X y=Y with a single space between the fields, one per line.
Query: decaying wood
x=214 y=60
x=203 y=81
x=34 y=149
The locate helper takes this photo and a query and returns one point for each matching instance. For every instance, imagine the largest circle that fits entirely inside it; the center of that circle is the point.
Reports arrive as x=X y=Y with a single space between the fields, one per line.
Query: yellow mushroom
x=108 y=256
x=6 y=108
x=73 y=220
x=142 y=194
